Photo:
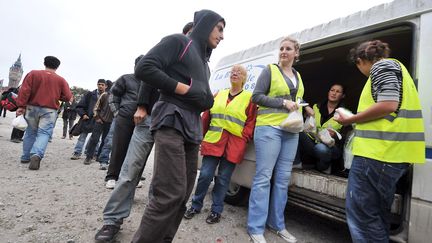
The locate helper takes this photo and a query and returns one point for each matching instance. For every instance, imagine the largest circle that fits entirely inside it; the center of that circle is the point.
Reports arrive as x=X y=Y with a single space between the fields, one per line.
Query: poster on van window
x=220 y=78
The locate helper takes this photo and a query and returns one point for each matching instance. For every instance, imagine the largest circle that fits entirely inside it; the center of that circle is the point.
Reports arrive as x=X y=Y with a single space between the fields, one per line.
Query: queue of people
x=167 y=103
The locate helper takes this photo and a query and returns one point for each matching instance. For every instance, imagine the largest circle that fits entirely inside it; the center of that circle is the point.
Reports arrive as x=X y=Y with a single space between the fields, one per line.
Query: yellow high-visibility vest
x=267 y=116
x=329 y=123
x=231 y=117
x=396 y=138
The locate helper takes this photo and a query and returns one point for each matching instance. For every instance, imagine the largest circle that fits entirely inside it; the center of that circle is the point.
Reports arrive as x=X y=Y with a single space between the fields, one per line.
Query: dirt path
x=64 y=199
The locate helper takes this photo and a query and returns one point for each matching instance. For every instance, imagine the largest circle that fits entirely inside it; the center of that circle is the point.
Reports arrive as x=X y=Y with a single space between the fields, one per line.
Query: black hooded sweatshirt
x=179 y=58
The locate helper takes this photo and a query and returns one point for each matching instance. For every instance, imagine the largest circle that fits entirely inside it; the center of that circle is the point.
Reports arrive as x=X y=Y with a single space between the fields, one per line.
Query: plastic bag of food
x=293 y=123
x=345 y=112
x=347 y=153
x=325 y=138
x=19 y=123
x=309 y=125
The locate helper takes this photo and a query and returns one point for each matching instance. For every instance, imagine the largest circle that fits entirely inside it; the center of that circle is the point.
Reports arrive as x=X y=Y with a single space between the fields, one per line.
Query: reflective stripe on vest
x=231 y=117
x=267 y=116
x=396 y=138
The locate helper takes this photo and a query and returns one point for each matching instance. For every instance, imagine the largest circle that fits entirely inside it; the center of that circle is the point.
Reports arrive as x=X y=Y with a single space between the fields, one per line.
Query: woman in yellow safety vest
x=389 y=136
x=227 y=126
x=310 y=146
x=278 y=88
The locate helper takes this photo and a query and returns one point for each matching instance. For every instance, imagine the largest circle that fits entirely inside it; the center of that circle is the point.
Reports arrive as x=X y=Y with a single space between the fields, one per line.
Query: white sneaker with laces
x=257 y=239
x=140 y=184
x=284 y=234
x=110 y=184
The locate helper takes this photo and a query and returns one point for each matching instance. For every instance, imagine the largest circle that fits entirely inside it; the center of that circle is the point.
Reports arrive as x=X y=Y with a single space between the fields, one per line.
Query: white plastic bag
x=347 y=153
x=325 y=138
x=19 y=123
x=345 y=112
x=309 y=125
x=293 y=123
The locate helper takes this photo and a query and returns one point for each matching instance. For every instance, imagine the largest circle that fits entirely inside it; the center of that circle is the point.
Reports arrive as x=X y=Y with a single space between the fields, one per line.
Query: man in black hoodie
x=177 y=66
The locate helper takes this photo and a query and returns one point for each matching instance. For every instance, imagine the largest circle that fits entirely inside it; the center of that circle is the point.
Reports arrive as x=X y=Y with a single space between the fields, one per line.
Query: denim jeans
x=80 y=143
x=40 y=122
x=207 y=172
x=120 y=202
x=370 y=193
x=318 y=151
x=275 y=151
x=106 y=149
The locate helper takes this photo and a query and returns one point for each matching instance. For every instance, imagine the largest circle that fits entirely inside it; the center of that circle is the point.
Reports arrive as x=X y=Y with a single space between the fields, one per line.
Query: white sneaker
x=110 y=184
x=140 y=184
x=257 y=239
x=284 y=234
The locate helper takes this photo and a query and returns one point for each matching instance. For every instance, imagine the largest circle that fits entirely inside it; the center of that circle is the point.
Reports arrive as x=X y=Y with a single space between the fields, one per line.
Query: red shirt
x=230 y=146
x=43 y=88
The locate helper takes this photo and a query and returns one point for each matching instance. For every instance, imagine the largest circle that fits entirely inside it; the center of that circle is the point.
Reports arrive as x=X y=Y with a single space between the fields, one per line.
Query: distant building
x=15 y=73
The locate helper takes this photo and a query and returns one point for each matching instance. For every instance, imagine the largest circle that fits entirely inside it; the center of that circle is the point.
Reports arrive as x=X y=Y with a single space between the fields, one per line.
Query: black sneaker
x=213 y=218
x=34 y=162
x=75 y=156
x=107 y=233
x=87 y=160
x=190 y=213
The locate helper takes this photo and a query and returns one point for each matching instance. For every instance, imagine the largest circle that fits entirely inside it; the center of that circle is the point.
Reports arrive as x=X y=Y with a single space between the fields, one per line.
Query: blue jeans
x=106 y=149
x=318 y=151
x=207 y=172
x=275 y=151
x=370 y=193
x=120 y=202
x=80 y=143
x=40 y=127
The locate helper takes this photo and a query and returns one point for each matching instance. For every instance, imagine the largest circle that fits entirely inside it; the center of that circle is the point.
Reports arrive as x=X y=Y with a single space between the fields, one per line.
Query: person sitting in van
x=278 y=88
x=389 y=137
x=227 y=126
x=314 y=147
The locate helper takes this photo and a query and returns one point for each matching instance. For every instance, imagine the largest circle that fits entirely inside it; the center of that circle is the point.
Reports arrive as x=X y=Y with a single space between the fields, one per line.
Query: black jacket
x=180 y=58
x=86 y=104
x=126 y=90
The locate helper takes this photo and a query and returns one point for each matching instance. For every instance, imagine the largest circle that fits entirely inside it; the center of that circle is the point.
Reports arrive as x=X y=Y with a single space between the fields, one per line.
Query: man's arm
x=24 y=94
x=82 y=105
x=150 y=68
x=143 y=100
x=114 y=103
x=66 y=94
x=376 y=111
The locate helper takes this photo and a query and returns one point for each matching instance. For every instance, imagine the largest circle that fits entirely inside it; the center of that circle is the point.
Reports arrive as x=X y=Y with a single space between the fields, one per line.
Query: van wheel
x=237 y=195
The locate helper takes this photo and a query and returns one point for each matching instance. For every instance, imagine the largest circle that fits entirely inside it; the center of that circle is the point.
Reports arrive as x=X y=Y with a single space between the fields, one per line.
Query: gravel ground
x=64 y=199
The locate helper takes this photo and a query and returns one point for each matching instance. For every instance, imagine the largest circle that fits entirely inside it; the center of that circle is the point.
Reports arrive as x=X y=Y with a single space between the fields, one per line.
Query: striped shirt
x=386 y=77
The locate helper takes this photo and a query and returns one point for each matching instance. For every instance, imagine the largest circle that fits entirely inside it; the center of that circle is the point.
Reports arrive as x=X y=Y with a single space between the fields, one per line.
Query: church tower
x=15 y=73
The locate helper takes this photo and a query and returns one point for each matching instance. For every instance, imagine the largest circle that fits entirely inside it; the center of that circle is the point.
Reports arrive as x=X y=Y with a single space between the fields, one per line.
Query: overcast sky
x=101 y=38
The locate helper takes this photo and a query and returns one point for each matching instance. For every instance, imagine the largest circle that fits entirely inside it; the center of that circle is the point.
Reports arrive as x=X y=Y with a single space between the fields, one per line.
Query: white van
x=407 y=26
